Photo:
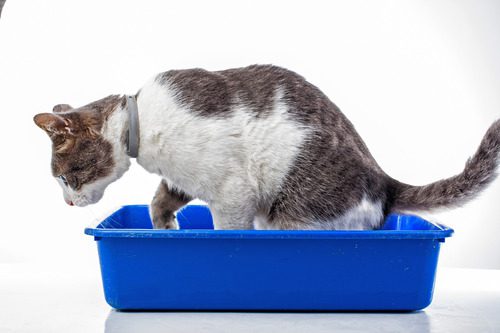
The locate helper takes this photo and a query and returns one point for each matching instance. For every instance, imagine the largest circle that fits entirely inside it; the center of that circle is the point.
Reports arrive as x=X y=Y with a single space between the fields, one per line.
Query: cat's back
x=257 y=87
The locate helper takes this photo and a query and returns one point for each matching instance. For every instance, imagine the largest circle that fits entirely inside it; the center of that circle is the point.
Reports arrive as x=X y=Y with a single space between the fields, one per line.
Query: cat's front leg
x=165 y=202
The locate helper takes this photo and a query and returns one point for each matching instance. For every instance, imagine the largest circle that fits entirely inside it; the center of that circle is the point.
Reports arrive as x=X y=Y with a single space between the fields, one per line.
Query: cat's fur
x=262 y=146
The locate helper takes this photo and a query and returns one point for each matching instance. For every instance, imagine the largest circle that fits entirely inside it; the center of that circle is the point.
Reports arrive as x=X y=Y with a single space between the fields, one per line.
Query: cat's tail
x=480 y=170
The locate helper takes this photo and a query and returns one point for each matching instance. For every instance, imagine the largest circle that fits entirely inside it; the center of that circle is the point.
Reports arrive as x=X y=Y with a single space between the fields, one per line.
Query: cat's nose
x=71 y=203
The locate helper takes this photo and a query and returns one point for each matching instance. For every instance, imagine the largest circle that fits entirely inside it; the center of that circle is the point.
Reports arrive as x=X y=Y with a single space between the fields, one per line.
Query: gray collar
x=133 y=127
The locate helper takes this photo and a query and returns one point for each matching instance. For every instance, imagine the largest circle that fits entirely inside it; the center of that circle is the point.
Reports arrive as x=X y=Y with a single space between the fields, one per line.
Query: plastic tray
x=198 y=269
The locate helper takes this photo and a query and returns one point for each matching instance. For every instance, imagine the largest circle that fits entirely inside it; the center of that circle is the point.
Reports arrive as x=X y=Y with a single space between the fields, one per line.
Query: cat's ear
x=53 y=124
x=61 y=108
x=58 y=129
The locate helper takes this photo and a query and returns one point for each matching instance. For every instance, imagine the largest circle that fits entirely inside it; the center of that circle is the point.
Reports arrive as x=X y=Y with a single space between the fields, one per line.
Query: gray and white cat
x=262 y=146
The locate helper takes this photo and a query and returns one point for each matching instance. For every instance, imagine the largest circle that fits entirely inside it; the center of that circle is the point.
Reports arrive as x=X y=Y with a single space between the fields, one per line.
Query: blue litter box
x=200 y=269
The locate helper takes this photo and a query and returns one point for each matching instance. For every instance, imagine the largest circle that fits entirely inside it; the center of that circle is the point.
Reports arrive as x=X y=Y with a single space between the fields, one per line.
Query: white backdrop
x=420 y=80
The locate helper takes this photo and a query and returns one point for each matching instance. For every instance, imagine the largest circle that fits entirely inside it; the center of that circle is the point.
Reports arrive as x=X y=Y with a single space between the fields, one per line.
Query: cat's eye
x=64 y=180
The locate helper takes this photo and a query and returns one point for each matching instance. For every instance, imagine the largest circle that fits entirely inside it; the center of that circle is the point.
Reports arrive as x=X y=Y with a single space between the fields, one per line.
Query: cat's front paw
x=164 y=221
x=165 y=202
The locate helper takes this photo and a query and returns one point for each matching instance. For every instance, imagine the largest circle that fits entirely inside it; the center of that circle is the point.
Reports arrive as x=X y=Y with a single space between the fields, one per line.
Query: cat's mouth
x=85 y=200
x=80 y=202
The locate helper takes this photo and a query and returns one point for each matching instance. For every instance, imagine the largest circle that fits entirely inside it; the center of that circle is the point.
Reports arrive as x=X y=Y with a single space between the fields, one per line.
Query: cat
x=262 y=146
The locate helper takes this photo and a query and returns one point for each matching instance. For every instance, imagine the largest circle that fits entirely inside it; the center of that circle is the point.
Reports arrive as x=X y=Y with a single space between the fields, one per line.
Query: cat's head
x=87 y=147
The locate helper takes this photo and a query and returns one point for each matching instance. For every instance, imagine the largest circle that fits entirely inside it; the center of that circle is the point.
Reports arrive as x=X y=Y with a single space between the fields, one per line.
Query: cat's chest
x=182 y=173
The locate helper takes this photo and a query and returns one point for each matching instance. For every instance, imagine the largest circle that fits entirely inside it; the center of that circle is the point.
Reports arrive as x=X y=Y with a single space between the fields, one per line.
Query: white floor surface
x=41 y=299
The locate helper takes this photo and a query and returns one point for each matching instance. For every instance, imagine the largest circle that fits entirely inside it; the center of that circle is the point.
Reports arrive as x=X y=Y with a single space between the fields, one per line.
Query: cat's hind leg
x=236 y=217
x=165 y=202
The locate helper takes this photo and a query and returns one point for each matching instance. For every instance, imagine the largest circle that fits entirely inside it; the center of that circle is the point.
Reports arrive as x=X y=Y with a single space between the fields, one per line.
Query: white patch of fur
x=261 y=222
x=236 y=163
x=366 y=215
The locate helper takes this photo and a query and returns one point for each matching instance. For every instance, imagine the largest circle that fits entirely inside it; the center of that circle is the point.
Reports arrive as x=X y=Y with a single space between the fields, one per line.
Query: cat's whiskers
x=108 y=222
